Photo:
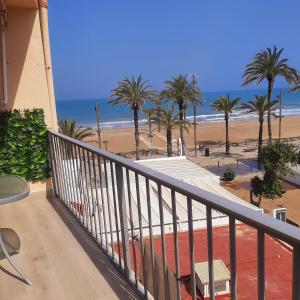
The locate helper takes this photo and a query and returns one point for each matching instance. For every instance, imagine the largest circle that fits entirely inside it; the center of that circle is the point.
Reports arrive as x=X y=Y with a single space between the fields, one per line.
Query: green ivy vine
x=23 y=144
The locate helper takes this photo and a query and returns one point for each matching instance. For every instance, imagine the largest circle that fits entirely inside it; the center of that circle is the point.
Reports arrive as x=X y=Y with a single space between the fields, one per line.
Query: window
x=280 y=214
x=220 y=286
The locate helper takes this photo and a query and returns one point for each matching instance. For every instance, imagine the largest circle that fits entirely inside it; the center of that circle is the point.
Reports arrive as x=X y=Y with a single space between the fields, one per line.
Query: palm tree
x=260 y=106
x=226 y=105
x=267 y=64
x=157 y=100
x=196 y=101
x=134 y=93
x=69 y=128
x=169 y=121
x=150 y=113
x=180 y=91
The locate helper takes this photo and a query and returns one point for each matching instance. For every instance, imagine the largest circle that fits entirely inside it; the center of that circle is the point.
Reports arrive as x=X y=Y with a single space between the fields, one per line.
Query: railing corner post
x=296 y=272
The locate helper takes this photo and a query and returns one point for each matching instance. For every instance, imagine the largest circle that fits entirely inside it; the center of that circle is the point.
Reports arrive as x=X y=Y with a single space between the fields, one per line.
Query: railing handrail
x=264 y=223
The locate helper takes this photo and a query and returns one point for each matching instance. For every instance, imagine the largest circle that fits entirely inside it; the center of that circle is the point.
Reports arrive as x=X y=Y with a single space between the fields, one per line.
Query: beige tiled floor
x=60 y=259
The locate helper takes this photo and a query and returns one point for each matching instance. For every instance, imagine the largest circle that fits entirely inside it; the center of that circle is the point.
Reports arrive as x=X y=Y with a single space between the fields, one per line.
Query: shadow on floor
x=108 y=270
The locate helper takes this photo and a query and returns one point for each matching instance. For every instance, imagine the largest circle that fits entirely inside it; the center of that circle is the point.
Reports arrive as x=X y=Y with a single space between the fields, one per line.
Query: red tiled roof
x=278 y=260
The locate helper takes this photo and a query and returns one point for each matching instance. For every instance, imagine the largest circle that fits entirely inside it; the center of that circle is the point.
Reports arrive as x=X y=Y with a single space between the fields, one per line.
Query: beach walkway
x=241 y=162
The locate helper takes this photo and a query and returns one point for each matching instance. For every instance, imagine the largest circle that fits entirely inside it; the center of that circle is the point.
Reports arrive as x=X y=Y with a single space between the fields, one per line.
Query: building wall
x=294 y=178
x=28 y=81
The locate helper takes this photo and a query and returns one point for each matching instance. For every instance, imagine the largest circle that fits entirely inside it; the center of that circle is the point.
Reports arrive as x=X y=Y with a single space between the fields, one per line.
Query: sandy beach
x=213 y=134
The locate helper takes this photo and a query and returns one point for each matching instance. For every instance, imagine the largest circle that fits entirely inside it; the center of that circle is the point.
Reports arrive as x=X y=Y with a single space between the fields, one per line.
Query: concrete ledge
x=44 y=186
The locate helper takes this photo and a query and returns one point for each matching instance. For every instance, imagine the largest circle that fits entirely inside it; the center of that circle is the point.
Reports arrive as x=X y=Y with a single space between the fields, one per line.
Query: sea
x=121 y=116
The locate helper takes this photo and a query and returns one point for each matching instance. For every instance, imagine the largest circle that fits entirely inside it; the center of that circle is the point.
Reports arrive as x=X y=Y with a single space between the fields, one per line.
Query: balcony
x=116 y=229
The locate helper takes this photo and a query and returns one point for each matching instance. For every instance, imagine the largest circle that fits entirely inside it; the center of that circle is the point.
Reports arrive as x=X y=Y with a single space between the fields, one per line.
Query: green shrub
x=23 y=144
x=278 y=159
x=228 y=174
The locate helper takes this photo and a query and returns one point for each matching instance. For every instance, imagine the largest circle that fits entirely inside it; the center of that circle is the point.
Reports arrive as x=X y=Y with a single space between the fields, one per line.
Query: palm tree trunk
x=227 y=134
x=150 y=126
x=169 y=142
x=259 y=200
x=195 y=131
x=181 y=117
x=260 y=140
x=270 y=90
x=150 y=135
x=158 y=119
x=136 y=133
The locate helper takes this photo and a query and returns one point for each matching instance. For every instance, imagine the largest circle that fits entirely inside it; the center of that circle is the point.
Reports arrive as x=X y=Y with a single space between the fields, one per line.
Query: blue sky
x=96 y=43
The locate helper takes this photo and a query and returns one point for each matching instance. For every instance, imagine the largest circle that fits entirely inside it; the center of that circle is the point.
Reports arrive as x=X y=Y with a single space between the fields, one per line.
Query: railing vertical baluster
x=233 y=274
x=70 y=174
x=141 y=233
x=261 y=264
x=67 y=174
x=175 y=232
x=192 y=250
x=52 y=162
x=63 y=164
x=210 y=253
x=86 y=192
x=296 y=272
x=97 y=201
x=75 y=182
x=115 y=209
x=60 y=177
x=123 y=220
x=131 y=226
x=78 y=183
x=102 y=202
x=81 y=183
x=151 y=237
x=109 y=208
x=163 y=240
x=92 y=199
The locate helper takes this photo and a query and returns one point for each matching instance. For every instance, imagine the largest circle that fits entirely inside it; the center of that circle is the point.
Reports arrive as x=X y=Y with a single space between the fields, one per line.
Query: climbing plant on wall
x=23 y=144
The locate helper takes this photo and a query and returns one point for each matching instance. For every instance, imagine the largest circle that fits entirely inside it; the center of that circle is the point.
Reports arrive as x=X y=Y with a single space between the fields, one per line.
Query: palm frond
x=267 y=64
x=169 y=119
x=225 y=104
x=296 y=86
x=177 y=89
x=69 y=128
x=132 y=92
x=259 y=105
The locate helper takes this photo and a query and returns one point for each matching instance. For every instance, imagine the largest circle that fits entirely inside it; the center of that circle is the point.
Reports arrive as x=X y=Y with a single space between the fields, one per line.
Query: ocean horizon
x=120 y=116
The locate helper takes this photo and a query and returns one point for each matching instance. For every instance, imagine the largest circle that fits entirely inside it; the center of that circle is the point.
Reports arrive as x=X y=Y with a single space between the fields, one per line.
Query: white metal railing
x=96 y=186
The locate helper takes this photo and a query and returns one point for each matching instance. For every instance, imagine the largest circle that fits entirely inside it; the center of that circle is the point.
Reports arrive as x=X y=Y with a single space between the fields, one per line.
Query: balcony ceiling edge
x=25 y=3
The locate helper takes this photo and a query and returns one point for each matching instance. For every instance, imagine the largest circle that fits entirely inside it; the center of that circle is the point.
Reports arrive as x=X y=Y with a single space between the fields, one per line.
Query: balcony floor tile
x=57 y=255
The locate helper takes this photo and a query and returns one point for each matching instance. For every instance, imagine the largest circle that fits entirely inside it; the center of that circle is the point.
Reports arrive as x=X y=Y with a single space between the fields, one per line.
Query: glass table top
x=12 y=188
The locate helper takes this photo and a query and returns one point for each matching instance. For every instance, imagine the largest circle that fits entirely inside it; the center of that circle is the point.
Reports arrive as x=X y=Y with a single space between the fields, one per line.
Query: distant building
x=185 y=170
x=294 y=178
x=26 y=79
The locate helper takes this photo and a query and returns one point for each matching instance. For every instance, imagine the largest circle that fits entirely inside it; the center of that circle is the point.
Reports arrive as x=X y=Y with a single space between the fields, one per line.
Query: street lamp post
x=194 y=78
x=105 y=144
x=280 y=113
x=97 y=110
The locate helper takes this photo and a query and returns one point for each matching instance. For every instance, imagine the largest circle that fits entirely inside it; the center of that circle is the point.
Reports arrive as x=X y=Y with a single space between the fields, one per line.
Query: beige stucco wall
x=28 y=84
